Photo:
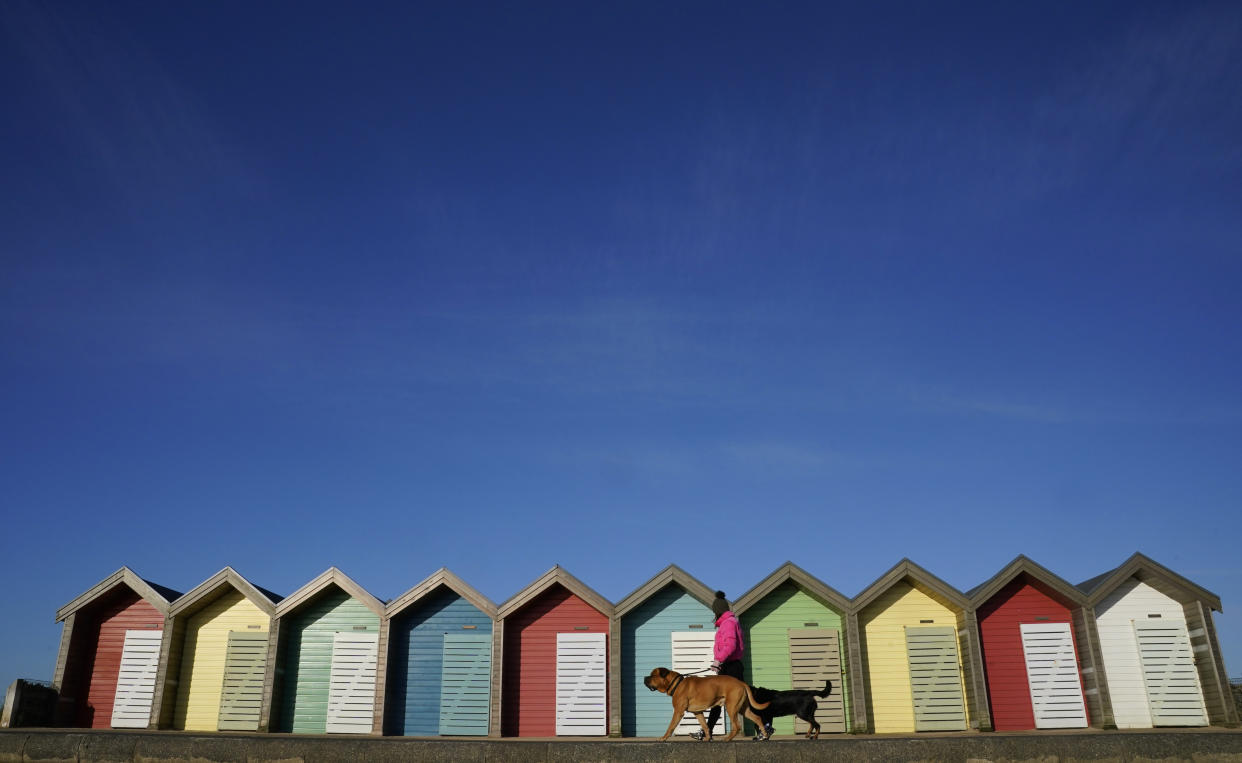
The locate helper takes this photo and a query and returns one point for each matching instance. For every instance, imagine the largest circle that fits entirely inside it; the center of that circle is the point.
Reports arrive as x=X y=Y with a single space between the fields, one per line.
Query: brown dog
x=696 y=694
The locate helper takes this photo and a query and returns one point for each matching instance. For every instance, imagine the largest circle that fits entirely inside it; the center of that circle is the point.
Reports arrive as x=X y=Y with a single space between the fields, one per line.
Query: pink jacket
x=728 y=644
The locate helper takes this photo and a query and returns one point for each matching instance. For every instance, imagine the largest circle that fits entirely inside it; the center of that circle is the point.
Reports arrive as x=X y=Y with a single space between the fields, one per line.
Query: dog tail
x=751 y=697
x=827 y=689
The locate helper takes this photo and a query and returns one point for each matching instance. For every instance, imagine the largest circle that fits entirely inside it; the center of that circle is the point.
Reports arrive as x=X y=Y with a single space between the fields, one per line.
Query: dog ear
x=663 y=672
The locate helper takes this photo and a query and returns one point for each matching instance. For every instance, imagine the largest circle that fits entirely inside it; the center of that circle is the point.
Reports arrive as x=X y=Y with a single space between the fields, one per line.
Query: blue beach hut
x=666 y=622
x=439 y=660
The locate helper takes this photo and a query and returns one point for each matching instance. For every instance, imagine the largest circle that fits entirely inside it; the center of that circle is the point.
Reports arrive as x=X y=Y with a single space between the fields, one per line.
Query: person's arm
x=726 y=641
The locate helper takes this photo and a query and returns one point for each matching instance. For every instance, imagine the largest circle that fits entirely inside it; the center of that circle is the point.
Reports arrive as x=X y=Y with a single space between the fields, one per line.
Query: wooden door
x=935 y=679
x=241 y=695
x=692 y=654
x=1173 y=691
x=815 y=658
x=581 y=684
x=135 y=682
x=465 y=683
x=351 y=682
x=1052 y=673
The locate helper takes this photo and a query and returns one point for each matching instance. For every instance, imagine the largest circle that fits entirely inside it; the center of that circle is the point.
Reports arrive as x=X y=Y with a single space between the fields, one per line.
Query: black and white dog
x=799 y=702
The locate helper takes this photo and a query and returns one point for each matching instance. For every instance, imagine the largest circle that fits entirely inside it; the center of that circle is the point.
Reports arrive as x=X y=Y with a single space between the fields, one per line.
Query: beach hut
x=551 y=665
x=1159 y=653
x=323 y=650
x=666 y=622
x=918 y=657
x=214 y=656
x=436 y=668
x=794 y=628
x=1032 y=636
x=109 y=652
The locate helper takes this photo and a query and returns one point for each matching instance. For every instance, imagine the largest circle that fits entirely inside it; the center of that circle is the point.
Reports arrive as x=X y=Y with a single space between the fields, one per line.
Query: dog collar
x=673 y=688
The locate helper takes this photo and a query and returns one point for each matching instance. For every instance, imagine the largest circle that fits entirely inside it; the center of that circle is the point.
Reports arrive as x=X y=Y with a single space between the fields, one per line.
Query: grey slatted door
x=1173 y=691
x=692 y=654
x=241 y=698
x=465 y=683
x=935 y=679
x=135 y=683
x=815 y=657
x=1052 y=672
x=581 y=684
x=351 y=682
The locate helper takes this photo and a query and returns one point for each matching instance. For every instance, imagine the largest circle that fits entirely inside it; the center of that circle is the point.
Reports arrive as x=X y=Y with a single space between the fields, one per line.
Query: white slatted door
x=1173 y=691
x=135 y=683
x=351 y=687
x=692 y=653
x=581 y=684
x=1052 y=672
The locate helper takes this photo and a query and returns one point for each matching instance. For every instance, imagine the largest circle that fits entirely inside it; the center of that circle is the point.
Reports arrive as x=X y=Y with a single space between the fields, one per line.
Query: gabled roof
x=545 y=581
x=329 y=577
x=208 y=590
x=800 y=577
x=908 y=569
x=671 y=574
x=1022 y=564
x=441 y=577
x=1100 y=586
x=154 y=594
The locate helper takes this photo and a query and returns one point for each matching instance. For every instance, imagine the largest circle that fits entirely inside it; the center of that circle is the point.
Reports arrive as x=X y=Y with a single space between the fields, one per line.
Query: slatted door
x=135 y=683
x=581 y=684
x=935 y=679
x=692 y=653
x=465 y=683
x=1052 y=672
x=241 y=697
x=351 y=682
x=815 y=658
x=1173 y=690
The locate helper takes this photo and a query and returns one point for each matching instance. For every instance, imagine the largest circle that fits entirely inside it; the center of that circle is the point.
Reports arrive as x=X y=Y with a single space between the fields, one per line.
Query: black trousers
x=727 y=668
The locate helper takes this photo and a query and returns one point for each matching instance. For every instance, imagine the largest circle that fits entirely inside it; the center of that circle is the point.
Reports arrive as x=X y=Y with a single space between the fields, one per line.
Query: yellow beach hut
x=212 y=672
x=918 y=655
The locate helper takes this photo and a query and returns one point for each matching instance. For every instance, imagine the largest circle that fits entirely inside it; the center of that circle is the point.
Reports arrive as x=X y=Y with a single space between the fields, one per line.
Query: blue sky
x=616 y=286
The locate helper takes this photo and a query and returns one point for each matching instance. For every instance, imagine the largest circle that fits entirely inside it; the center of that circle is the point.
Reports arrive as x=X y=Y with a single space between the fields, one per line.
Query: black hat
x=720 y=605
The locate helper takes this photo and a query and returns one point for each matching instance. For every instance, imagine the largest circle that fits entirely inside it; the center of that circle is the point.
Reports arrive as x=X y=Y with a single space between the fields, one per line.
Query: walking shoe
x=698 y=736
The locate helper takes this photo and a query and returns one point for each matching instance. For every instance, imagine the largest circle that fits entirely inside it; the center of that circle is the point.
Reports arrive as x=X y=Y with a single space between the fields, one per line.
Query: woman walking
x=726 y=652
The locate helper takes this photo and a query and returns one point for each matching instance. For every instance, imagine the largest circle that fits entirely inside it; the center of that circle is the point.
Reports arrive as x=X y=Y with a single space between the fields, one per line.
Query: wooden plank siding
x=202 y=658
x=305 y=658
x=766 y=625
x=94 y=660
x=1212 y=678
x=528 y=706
x=886 y=667
x=415 y=659
x=1024 y=600
x=646 y=643
x=1094 y=683
x=1221 y=709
